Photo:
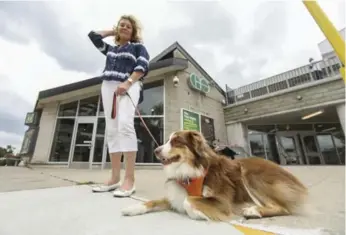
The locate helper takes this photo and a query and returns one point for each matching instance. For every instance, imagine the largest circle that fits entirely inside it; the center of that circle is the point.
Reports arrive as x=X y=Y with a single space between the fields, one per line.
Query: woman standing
x=126 y=65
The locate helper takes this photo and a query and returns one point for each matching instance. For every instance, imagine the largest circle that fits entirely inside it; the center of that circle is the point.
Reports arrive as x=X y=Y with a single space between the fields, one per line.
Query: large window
x=68 y=110
x=314 y=144
x=88 y=106
x=257 y=145
x=99 y=140
x=151 y=109
x=152 y=104
x=146 y=145
x=62 y=140
x=65 y=123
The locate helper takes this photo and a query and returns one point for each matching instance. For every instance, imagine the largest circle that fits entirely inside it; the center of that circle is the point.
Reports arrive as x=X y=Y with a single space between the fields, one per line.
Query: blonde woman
x=127 y=64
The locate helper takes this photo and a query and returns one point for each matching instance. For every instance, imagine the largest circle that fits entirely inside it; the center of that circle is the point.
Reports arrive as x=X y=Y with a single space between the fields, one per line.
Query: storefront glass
x=297 y=144
x=80 y=129
x=62 y=140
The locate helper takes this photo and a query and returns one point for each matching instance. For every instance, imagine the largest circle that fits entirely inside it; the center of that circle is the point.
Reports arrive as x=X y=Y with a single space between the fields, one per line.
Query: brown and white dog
x=249 y=187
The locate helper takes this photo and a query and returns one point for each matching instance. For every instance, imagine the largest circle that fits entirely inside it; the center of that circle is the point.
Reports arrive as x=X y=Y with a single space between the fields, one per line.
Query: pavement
x=52 y=200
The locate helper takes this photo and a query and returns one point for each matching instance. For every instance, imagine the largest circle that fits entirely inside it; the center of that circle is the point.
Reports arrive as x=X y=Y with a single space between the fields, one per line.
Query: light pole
x=328 y=29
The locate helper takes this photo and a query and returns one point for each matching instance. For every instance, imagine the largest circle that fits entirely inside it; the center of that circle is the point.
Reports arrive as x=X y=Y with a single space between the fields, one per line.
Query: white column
x=341 y=113
x=237 y=135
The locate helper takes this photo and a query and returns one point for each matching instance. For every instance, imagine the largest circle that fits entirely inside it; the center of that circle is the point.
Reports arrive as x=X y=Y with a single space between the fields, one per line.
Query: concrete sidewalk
x=74 y=211
x=326 y=184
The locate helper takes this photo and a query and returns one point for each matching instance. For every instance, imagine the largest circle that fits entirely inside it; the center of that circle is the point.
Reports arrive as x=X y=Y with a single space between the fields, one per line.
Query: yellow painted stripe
x=251 y=231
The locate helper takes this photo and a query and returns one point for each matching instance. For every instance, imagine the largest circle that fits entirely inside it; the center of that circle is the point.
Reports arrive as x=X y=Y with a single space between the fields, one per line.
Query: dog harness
x=193 y=186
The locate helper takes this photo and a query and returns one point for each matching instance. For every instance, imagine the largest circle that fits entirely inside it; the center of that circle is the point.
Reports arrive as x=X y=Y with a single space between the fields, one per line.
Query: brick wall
x=183 y=97
x=313 y=95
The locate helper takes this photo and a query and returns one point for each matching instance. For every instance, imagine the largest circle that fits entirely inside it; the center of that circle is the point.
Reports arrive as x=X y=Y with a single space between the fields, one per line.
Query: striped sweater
x=121 y=61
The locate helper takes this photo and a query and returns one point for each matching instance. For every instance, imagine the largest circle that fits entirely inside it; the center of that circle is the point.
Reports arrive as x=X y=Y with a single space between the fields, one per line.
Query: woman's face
x=125 y=30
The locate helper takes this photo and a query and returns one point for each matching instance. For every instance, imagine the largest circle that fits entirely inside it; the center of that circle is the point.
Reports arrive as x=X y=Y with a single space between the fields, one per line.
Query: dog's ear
x=197 y=142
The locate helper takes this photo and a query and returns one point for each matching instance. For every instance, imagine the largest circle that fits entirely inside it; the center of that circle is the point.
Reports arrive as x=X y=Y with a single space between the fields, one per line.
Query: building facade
x=68 y=126
x=293 y=118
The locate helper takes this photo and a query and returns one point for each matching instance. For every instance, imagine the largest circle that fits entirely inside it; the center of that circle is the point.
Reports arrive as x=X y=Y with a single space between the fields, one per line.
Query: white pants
x=120 y=132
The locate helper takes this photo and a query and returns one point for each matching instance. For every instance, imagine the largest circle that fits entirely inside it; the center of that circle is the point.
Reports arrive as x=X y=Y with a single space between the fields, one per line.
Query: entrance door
x=311 y=149
x=83 y=144
x=289 y=148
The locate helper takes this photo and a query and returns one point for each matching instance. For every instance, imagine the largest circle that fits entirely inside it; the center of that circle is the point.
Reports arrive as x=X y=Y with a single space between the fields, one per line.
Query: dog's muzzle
x=165 y=160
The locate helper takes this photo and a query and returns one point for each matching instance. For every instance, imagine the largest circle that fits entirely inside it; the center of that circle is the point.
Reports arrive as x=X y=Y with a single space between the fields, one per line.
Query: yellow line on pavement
x=251 y=231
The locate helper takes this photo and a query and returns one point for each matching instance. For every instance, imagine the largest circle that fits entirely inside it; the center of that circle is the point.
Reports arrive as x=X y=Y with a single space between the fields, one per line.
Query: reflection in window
x=339 y=141
x=99 y=140
x=327 y=148
x=62 y=140
x=83 y=142
x=311 y=148
x=153 y=99
x=207 y=128
x=68 y=109
x=254 y=129
x=146 y=145
x=84 y=133
x=257 y=146
x=101 y=110
x=88 y=106
x=81 y=154
x=289 y=150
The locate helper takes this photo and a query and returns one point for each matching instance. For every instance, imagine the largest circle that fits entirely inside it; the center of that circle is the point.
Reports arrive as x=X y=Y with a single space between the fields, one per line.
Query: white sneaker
x=105 y=188
x=124 y=193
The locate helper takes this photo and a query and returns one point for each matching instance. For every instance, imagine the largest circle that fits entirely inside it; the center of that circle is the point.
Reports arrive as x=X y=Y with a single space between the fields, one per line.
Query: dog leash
x=138 y=113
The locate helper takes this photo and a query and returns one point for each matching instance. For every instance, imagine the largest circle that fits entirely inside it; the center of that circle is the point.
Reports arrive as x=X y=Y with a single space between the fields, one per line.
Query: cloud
x=7 y=138
x=231 y=53
x=12 y=114
x=45 y=44
x=58 y=37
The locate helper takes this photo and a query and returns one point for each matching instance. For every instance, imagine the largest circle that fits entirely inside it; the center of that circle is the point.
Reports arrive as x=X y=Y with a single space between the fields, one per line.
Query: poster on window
x=190 y=120
x=207 y=128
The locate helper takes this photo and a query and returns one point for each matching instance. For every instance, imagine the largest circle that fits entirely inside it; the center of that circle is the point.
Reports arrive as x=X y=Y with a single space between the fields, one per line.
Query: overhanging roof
x=181 y=63
x=164 y=60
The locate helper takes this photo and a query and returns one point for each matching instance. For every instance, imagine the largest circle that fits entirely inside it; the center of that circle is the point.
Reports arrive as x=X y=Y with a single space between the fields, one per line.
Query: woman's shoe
x=105 y=188
x=124 y=193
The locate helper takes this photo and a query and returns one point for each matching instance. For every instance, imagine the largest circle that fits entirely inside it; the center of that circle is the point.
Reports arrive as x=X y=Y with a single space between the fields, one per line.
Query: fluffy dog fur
x=251 y=187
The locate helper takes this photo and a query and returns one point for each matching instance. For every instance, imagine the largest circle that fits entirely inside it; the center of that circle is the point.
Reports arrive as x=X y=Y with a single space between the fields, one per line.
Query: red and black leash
x=114 y=114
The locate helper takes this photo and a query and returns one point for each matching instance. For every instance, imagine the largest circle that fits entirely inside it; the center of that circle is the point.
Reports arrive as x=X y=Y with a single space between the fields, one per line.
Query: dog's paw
x=194 y=213
x=251 y=212
x=137 y=209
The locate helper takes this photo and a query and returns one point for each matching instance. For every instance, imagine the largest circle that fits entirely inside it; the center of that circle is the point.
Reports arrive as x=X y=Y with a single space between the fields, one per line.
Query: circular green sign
x=199 y=83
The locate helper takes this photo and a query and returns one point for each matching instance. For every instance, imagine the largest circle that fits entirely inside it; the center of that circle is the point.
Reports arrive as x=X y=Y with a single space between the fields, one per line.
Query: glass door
x=289 y=149
x=99 y=149
x=328 y=150
x=82 y=151
x=311 y=149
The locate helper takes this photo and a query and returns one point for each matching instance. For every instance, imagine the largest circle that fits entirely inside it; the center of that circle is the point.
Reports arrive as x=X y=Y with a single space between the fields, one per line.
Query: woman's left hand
x=123 y=88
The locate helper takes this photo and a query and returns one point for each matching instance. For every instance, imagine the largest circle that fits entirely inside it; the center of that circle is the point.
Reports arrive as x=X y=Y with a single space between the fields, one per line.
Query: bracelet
x=130 y=80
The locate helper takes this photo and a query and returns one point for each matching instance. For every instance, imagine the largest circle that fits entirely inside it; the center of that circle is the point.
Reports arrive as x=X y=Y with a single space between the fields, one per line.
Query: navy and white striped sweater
x=121 y=62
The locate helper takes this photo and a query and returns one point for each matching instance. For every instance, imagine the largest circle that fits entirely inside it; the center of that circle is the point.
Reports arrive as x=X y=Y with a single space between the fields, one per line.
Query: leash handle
x=140 y=116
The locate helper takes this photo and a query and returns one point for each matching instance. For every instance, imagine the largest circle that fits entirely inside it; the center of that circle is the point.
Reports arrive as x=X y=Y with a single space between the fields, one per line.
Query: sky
x=44 y=44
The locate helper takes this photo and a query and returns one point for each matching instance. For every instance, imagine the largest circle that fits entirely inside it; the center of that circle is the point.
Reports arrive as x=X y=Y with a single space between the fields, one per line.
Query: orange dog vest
x=193 y=186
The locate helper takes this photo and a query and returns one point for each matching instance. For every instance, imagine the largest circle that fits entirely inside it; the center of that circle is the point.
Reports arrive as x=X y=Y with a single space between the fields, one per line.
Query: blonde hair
x=136 y=29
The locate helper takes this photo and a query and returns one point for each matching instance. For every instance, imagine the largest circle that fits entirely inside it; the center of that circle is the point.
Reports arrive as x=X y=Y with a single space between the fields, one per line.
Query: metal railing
x=296 y=77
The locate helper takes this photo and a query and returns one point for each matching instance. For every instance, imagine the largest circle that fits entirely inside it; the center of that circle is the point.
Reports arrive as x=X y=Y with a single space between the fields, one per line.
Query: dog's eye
x=176 y=142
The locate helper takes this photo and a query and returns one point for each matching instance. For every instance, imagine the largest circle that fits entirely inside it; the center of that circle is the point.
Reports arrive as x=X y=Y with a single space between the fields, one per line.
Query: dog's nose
x=157 y=151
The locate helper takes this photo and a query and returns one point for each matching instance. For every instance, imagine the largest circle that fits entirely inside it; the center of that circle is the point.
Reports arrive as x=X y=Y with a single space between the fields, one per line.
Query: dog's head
x=184 y=155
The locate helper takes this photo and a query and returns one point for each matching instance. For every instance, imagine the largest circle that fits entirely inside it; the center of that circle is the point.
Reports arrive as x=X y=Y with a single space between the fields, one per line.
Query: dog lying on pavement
x=207 y=186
